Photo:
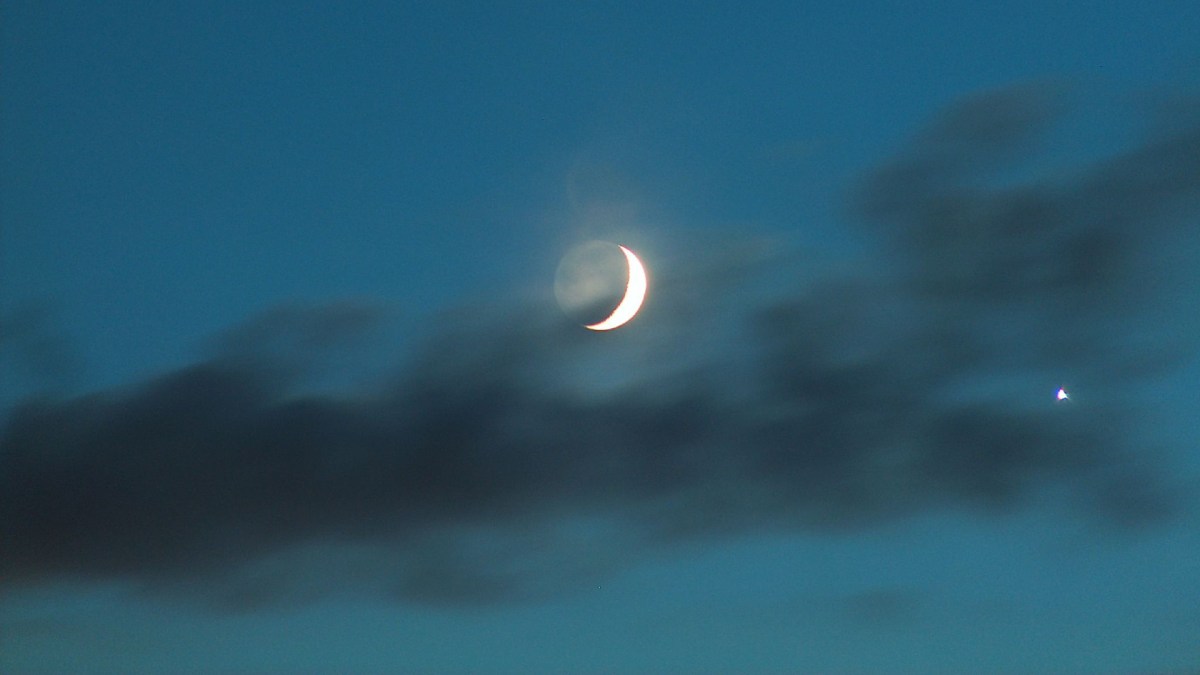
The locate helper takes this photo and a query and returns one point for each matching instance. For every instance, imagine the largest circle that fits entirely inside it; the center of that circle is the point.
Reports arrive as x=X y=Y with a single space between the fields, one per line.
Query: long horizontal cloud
x=843 y=403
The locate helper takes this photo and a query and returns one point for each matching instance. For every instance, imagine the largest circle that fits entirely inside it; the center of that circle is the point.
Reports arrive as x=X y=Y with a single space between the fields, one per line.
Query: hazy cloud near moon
x=512 y=458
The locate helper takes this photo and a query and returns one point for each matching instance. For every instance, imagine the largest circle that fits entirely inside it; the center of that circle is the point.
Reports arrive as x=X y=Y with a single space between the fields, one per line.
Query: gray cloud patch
x=491 y=466
x=33 y=352
x=883 y=607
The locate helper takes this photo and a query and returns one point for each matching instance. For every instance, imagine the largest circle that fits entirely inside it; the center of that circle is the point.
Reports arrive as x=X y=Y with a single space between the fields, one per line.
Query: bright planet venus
x=601 y=285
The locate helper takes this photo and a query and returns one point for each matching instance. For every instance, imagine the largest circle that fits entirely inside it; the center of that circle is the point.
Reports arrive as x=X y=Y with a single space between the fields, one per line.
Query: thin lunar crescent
x=635 y=294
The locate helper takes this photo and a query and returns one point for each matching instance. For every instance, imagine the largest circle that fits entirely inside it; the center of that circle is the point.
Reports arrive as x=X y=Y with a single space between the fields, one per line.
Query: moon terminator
x=600 y=285
x=635 y=295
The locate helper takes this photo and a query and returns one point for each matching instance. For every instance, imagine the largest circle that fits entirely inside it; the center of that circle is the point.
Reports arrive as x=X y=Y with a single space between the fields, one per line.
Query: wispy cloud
x=841 y=403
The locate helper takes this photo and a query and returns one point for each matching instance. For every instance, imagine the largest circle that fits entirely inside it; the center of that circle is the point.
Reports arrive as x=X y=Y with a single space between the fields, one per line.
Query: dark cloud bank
x=517 y=452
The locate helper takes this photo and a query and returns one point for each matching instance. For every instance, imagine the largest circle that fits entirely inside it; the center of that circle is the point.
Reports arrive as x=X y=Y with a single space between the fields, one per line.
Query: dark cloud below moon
x=485 y=466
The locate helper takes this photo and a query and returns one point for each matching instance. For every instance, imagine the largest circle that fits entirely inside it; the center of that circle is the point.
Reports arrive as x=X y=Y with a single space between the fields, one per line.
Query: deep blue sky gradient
x=169 y=171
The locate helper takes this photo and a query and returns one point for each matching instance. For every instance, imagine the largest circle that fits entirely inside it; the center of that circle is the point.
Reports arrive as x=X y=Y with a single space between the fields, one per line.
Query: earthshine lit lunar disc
x=635 y=294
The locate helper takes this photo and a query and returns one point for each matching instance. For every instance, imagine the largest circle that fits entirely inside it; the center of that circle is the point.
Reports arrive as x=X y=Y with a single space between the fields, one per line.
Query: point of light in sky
x=779 y=467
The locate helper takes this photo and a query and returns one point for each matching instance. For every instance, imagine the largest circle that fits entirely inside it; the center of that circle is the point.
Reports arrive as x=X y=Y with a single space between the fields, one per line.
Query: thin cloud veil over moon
x=601 y=285
x=485 y=470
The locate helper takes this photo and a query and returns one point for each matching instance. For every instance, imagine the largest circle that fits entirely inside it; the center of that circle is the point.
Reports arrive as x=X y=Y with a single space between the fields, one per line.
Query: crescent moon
x=635 y=294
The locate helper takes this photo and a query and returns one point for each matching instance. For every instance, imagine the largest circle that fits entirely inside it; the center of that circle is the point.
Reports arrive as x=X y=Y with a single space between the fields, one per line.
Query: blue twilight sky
x=284 y=385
